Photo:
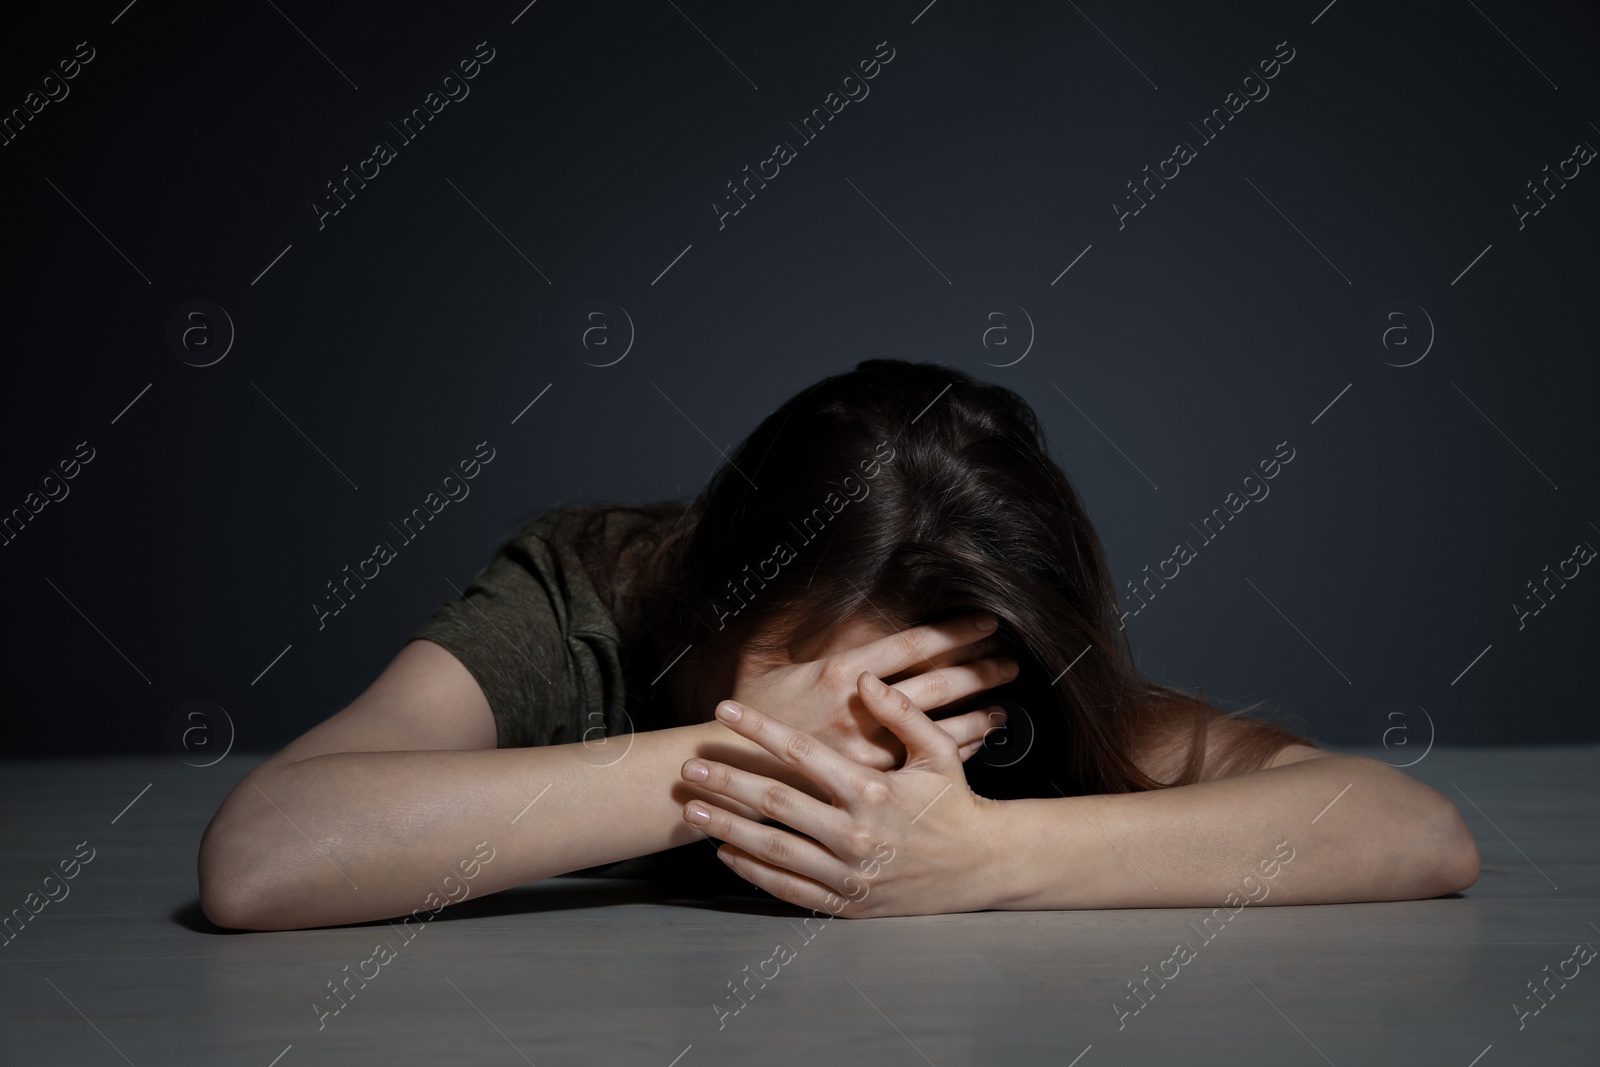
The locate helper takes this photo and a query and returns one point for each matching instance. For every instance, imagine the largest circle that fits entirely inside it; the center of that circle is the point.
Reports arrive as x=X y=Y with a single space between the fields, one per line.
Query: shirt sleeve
x=531 y=630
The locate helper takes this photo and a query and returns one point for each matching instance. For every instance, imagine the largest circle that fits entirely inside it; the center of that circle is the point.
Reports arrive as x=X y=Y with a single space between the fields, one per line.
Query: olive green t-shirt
x=538 y=636
x=541 y=642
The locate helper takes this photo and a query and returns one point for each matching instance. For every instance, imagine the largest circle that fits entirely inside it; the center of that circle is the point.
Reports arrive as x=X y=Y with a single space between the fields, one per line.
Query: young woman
x=805 y=664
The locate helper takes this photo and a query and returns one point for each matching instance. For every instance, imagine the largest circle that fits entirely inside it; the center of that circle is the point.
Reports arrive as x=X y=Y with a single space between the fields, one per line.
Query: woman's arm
x=1317 y=829
x=1357 y=829
x=367 y=814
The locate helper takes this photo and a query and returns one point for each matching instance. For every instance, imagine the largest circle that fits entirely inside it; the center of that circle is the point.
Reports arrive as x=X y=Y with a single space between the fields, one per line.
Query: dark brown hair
x=910 y=493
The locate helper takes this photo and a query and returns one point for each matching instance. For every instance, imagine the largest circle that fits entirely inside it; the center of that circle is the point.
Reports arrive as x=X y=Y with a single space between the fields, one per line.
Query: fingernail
x=698 y=813
x=696 y=771
x=723 y=856
x=875 y=684
x=987 y=623
x=728 y=712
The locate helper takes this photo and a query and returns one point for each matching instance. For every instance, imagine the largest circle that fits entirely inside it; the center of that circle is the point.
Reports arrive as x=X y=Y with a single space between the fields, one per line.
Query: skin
x=1389 y=837
x=365 y=815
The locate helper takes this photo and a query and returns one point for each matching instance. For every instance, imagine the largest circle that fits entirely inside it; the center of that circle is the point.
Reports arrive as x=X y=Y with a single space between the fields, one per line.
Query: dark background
x=415 y=324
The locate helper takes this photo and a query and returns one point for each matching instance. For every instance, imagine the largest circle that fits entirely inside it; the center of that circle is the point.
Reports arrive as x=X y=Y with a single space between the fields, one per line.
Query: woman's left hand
x=912 y=841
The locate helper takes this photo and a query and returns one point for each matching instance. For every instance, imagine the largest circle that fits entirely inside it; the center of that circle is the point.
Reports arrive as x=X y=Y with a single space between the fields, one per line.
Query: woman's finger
x=774 y=845
x=946 y=685
x=993 y=645
x=771 y=798
x=884 y=756
x=788 y=886
x=916 y=646
x=923 y=738
x=973 y=727
x=796 y=748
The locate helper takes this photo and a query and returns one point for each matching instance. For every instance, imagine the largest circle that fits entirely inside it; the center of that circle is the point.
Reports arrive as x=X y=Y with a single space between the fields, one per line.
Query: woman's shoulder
x=538 y=627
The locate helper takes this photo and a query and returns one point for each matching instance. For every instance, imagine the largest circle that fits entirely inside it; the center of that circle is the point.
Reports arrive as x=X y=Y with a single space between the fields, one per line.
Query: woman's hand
x=914 y=841
x=933 y=665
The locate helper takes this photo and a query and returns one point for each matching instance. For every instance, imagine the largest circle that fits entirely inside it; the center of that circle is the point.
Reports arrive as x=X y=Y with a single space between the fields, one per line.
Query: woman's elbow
x=237 y=856
x=1453 y=859
x=224 y=896
x=1426 y=848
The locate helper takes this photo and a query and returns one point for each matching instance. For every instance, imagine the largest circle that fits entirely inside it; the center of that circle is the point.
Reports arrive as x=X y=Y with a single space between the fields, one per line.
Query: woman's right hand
x=934 y=665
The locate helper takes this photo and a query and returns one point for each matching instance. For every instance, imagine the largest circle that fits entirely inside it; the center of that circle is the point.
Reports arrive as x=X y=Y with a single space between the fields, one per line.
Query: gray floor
x=125 y=968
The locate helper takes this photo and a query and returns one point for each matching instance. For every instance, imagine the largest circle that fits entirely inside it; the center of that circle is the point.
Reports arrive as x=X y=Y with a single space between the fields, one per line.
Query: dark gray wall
x=1184 y=344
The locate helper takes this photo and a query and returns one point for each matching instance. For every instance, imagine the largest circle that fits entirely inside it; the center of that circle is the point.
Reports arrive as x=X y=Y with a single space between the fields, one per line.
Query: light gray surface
x=125 y=969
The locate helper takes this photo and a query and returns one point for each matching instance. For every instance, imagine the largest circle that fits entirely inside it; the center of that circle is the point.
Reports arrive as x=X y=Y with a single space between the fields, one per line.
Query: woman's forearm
x=355 y=836
x=1358 y=830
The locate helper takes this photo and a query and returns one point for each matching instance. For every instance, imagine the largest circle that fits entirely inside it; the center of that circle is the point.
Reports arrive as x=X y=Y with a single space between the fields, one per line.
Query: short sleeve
x=533 y=631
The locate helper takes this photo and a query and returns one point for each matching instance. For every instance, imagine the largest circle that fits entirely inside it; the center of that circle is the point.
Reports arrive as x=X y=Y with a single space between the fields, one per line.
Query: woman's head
x=904 y=489
x=904 y=493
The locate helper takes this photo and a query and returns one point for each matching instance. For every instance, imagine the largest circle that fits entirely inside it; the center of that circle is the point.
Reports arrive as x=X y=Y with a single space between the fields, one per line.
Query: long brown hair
x=910 y=493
